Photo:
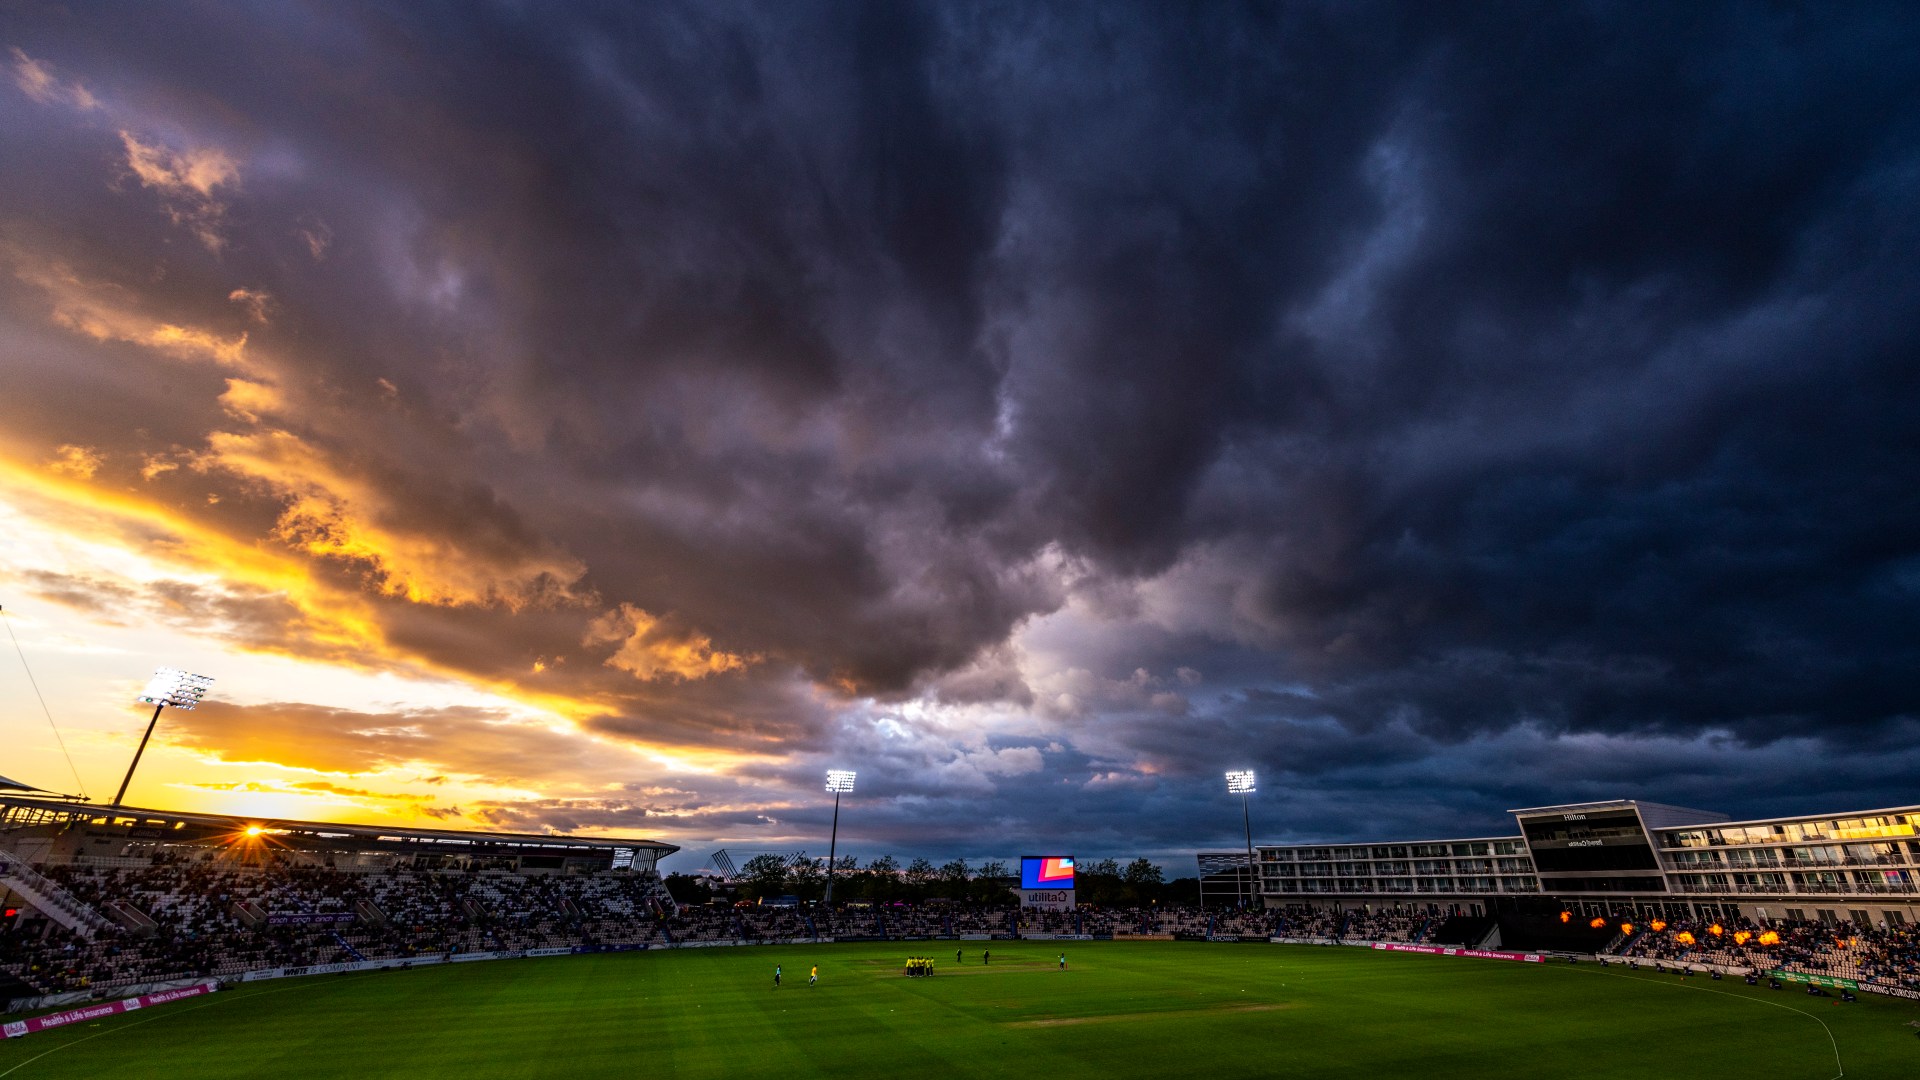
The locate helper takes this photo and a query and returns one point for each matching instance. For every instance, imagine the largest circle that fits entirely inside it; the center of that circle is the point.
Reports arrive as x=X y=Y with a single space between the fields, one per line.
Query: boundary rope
x=1742 y=997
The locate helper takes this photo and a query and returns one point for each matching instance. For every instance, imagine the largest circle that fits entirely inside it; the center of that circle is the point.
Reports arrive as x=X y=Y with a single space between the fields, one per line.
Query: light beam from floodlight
x=839 y=781
x=1240 y=782
x=169 y=686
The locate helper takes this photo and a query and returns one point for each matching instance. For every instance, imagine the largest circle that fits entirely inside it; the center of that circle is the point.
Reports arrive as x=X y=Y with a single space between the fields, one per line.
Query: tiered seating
x=1303 y=922
x=924 y=920
x=215 y=917
x=1049 y=922
x=1347 y=925
x=1384 y=926
x=201 y=931
x=1179 y=920
x=1885 y=956
x=1121 y=922
x=866 y=922
x=1252 y=922
x=983 y=921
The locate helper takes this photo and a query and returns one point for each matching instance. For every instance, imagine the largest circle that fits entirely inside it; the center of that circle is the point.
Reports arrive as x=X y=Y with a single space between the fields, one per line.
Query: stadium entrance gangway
x=48 y=898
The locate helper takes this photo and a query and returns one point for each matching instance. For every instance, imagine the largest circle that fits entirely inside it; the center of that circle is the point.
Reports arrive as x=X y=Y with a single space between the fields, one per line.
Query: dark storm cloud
x=1440 y=387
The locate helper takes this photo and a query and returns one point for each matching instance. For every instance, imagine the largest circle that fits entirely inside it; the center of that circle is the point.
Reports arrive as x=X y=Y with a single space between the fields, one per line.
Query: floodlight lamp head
x=175 y=689
x=840 y=781
x=1240 y=783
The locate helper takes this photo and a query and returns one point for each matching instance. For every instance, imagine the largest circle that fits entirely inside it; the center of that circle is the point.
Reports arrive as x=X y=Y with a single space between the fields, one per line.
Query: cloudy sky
x=607 y=418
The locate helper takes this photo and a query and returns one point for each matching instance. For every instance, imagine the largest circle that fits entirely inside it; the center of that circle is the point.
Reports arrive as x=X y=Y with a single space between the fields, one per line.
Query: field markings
x=217 y=999
x=1737 y=997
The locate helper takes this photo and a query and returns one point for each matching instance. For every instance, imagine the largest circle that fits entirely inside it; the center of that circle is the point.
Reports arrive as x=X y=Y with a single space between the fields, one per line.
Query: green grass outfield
x=1121 y=1009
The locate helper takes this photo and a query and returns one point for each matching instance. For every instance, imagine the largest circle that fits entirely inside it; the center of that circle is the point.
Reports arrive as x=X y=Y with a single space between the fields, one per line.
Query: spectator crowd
x=1871 y=955
x=194 y=916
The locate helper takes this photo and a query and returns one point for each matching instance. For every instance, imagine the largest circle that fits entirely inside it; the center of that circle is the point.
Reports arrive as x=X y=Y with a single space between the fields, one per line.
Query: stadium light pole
x=169 y=686
x=839 y=781
x=1241 y=783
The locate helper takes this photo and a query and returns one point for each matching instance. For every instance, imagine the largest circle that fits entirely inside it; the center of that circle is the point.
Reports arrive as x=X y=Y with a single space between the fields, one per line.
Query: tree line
x=1103 y=882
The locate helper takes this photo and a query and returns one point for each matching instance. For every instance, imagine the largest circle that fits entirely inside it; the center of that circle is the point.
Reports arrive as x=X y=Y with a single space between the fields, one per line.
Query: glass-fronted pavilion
x=1617 y=855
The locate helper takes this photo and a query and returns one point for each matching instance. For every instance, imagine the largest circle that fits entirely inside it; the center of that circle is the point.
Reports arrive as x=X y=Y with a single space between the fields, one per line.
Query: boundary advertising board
x=18 y=1028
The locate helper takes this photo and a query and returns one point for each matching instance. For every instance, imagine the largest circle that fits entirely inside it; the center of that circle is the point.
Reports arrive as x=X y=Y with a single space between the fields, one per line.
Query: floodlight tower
x=840 y=782
x=169 y=686
x=1241 y=783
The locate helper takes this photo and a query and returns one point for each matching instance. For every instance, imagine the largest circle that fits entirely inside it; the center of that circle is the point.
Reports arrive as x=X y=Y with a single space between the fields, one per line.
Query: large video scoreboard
x=1046 y=881
x=1593 y=851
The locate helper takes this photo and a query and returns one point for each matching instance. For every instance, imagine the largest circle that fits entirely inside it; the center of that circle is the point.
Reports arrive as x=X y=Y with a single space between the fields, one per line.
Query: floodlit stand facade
x=1615 y=856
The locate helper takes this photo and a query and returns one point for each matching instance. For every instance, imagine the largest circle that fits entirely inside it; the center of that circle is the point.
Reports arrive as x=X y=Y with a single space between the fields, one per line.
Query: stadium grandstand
x=99 y=897
x=1603 y=857
x=106 y=901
